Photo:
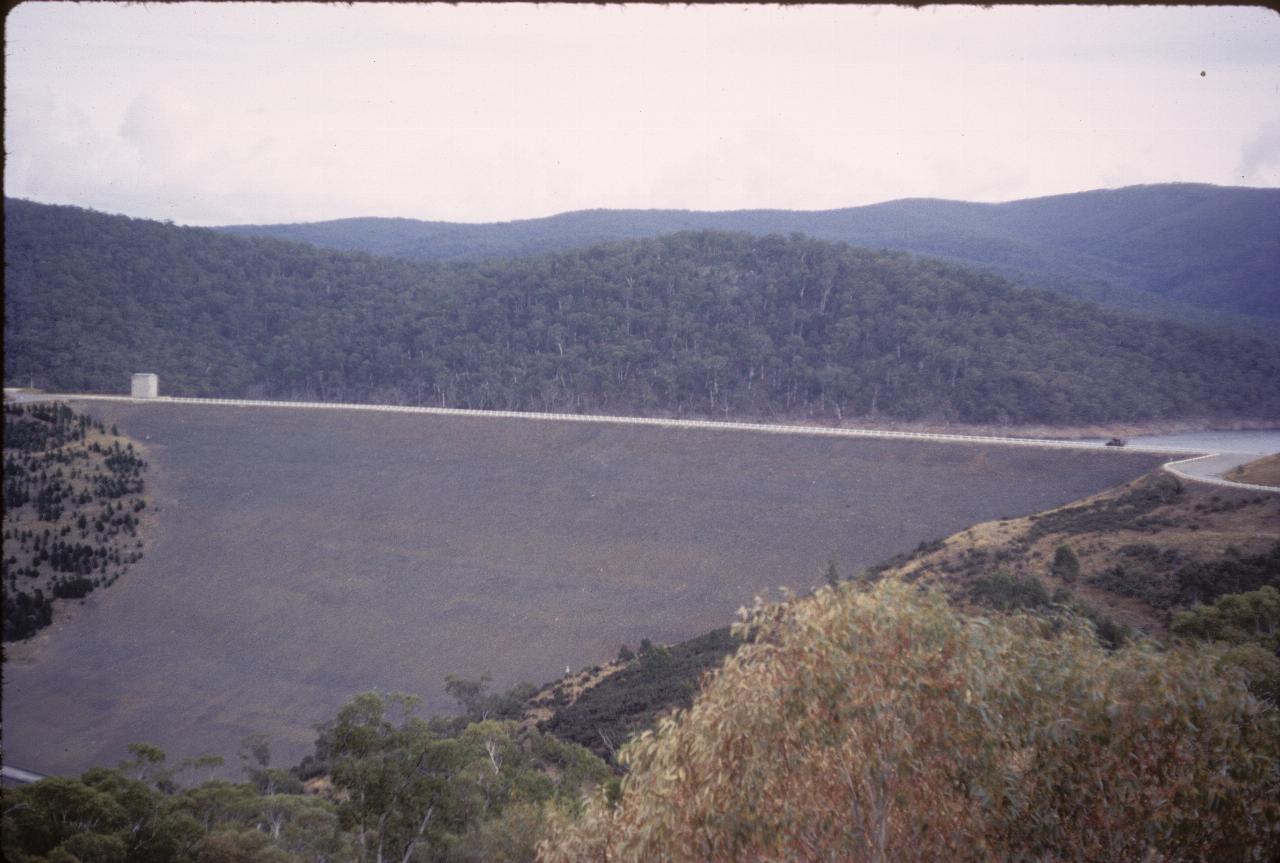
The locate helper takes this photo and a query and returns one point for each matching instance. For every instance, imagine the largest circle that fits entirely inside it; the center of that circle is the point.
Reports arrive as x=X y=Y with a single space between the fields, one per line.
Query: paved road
x=764 y=428
x=1200 y=467
x=11 y=777
x=1211 y=467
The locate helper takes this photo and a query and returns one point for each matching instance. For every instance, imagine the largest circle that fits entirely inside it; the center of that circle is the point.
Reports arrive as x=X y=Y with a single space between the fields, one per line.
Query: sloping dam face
x=303 y=556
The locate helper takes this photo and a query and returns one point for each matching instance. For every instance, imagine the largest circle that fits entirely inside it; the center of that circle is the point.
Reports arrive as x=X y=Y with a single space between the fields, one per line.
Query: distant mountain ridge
x=1194 y=252
x=688 y=324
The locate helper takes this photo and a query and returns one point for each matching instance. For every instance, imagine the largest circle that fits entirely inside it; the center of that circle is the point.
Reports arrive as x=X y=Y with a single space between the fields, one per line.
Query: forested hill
x=725 y=325
x=1196 y=252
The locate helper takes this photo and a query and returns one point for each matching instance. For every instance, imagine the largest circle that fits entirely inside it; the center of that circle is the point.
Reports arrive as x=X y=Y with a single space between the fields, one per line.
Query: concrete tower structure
x=145 y=386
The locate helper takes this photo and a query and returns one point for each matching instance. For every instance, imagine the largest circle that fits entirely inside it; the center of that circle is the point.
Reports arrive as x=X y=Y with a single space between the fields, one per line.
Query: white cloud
x=1260 y=156
x=164 y=129
x=208 y=113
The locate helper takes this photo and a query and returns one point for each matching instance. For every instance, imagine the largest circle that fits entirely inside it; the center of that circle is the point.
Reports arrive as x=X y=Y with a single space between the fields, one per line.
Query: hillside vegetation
x=635 y=692
x=881 y=724
x=1138 y=553
x=74 y=500
x=711 y=324
x=860 y=723
x=394 y=787
x=1183 y=250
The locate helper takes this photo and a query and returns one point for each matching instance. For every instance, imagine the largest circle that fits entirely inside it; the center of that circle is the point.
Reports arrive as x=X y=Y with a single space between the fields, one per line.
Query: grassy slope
x=1131 y=542
x=1264 y=471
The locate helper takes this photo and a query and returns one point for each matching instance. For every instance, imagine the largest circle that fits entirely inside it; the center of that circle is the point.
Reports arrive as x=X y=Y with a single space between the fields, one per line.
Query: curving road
x=1211 y=466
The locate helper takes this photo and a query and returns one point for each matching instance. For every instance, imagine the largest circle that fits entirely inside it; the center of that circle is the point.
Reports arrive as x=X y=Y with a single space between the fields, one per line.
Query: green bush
x=1066 y=565
x=1205 y=582
x=1005 y=592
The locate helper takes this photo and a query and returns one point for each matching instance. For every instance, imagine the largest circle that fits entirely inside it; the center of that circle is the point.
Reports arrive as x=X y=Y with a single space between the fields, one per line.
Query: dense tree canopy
x=722 y=325
x=396 y=788
x=1184 y=250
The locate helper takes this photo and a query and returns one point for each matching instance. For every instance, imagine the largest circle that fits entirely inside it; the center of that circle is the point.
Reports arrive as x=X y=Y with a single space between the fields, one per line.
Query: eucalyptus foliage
x=399 y=789
x=878 y=723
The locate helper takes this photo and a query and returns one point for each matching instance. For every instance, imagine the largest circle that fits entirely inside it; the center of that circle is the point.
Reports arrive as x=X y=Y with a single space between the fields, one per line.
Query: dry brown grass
x=1264 y=471
x=1203 y=524
x=543 y=704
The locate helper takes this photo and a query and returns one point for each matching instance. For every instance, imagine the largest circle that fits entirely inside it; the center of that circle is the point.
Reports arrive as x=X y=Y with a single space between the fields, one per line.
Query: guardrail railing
x=713 y=425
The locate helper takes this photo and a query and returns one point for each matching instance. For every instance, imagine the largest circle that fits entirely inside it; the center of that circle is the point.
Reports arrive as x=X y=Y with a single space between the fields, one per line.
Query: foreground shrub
x=1250 y=624
x=880 y=724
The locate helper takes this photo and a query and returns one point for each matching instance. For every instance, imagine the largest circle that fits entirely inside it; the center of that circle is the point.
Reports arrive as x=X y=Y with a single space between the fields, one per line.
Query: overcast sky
x=227 y=113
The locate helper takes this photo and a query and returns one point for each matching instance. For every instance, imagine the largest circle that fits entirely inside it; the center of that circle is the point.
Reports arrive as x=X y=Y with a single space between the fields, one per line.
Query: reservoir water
x=1253 y=441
